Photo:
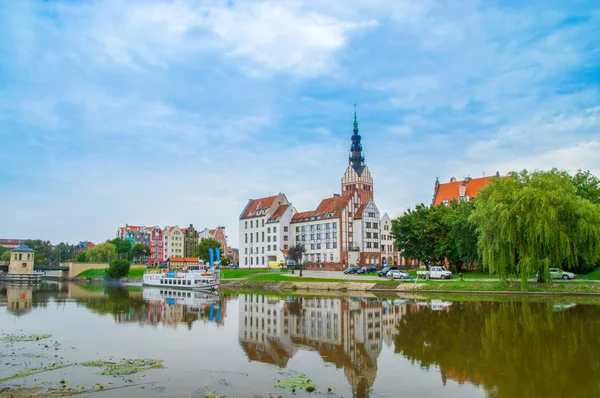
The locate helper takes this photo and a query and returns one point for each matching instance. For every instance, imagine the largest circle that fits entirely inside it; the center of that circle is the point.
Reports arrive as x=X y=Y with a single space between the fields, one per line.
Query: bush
x=118 y=268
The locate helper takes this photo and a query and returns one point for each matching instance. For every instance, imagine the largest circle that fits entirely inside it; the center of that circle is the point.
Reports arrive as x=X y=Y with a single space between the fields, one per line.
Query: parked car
x=367 y=269
x=397 y=274
x=556 y=273
x=435 y=273
x=351 y=270
x=385 y=270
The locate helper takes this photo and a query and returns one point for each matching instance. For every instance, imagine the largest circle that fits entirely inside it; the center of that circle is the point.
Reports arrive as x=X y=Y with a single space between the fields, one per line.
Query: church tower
x=357 y=176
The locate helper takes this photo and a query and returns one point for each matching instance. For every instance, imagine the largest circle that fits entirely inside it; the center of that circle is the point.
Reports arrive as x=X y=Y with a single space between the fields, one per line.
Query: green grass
x=284 y=278
x=475 y=286
x=240 y=273
x=99 y=273
x=595 y=274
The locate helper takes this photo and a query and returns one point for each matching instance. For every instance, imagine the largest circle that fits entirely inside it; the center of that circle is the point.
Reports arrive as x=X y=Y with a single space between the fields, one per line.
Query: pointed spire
x=356 y=159
x=355 y=121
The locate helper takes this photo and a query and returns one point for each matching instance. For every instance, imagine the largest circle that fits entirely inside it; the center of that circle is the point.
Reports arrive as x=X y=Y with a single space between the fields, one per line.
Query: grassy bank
x=479 y=286
x=99 y=273
x=289 y=278
x=243 y=273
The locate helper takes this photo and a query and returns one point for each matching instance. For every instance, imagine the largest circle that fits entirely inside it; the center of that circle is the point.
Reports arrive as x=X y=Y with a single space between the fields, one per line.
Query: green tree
x=62 y=252
x=295 y=254
x=463 y=234
x=532 y=221
x=43 y=250
x=101 y=253
x=139 y=251
x=5 y=256
x=225 y=260
x=202 y=249
x=123 y=247
x=420 y=234
x=587 y=186
x=118 y=268
x=3 y=250
x=82 y=257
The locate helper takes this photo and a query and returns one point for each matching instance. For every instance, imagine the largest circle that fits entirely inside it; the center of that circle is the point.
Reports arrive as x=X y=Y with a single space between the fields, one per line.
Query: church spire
x=356 y=159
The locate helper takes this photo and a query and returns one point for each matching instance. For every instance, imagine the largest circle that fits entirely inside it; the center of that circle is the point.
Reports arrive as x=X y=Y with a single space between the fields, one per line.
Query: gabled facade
x=366 y=232
x=190 y=241
x=157 y=247
x=389 y=252
x=264 y=230
x=173 y=242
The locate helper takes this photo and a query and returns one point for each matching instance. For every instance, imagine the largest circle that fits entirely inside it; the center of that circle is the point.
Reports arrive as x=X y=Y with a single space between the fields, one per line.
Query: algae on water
x=13 y=338
x=299 y=382
x=126 y=366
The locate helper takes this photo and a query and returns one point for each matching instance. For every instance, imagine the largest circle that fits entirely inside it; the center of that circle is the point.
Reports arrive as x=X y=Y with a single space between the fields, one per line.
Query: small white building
x=366 y=233
x=265 y=231
x=21 y=260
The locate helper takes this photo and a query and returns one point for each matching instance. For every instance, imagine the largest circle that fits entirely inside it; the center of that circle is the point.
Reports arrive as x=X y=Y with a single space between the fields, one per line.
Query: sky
x=117 y=112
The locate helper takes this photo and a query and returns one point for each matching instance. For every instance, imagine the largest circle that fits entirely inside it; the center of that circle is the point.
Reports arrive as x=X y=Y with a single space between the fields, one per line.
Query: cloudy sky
x=179 y=111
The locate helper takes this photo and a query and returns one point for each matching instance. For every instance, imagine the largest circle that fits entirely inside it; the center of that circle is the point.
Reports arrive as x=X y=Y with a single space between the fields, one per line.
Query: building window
x=328 y=245
x=285 y=247
x=250 y=261
x=274 y=229
x=246 y=224
x=368 y=225
x=312 y=246
x=335 y=245
x=375 y=245
x=368 y=245
x=246 y=238
x=274 y=247
x=268 y=247
x=269 y=230
x=251 y=223
x=263 y=260
x=368 y=234
x=318 y=246
x=263 y=236
x=285 y=229
x=257 y=236
x=297 y=229
x=263 y=250
x=274 y=238
x=375 y=235
x=268 y=238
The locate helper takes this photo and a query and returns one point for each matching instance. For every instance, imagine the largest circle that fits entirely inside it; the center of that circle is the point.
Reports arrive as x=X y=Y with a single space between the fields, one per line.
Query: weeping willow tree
x=532 y=221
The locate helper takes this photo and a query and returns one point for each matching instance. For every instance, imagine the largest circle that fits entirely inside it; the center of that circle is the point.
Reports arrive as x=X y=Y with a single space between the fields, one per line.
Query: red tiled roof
x=212 y=231
x=450 y=190
x=328 y=208
x=257 y=204
x=183 y=259
x=279 y=212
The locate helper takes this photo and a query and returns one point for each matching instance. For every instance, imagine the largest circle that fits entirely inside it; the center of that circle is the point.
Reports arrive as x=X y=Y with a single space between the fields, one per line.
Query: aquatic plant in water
x=12 y=338
x=126 y=366
x=298 y=382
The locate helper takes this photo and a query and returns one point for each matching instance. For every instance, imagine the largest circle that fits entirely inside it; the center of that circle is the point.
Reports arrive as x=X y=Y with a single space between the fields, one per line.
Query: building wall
x=157 y=248
x=388 y=249
x=313 y=235
x=173 y=242
x=21 y=263
x=190 y=242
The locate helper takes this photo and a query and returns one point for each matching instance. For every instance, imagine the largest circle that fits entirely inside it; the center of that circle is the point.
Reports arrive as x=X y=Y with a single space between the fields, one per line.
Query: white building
x=366 y=232
x=389 y=252
x=265 y=231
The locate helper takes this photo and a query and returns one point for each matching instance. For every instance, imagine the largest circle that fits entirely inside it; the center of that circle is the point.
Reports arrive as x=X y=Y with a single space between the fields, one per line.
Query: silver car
x=397 y=274
x=556 y=273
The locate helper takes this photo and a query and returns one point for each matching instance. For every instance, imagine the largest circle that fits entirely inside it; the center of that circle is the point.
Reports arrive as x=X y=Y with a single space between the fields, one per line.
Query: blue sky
x=178 y=112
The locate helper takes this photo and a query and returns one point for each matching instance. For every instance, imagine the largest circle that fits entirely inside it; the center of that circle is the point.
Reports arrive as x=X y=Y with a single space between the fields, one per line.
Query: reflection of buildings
x=173 y=307
x=345 y=332
x=19 y=299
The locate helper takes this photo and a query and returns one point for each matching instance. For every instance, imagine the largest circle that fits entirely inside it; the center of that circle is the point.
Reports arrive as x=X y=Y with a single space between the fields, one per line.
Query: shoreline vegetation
x=476 y=282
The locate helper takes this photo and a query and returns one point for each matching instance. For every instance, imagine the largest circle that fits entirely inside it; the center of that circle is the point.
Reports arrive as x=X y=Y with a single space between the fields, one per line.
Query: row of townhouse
x=173 y=241
x=343 y=230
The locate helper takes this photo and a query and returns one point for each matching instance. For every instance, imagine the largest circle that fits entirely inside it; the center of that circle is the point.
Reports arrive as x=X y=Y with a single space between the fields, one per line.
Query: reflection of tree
x=116 y=300
x=512 y=349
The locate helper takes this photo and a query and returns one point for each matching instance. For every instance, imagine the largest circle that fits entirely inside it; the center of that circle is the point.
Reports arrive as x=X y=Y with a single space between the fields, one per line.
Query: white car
x=397 y=274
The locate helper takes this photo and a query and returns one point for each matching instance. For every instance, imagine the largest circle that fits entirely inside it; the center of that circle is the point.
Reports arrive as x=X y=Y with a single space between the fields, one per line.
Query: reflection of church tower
x=357 y=176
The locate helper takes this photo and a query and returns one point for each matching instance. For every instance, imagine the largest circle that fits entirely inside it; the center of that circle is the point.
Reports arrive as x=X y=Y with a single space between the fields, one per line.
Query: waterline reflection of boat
x=172 y=303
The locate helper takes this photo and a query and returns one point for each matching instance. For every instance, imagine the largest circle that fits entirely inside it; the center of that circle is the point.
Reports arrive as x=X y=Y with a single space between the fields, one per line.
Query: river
x=262 y=345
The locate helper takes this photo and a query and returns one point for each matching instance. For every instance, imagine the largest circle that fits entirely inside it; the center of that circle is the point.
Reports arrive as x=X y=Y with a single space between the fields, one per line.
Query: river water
x=242 y=345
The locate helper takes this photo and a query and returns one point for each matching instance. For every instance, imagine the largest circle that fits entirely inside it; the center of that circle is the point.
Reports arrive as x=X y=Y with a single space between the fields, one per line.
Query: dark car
x=369 y=269
x=385 y=270
x=351 y=270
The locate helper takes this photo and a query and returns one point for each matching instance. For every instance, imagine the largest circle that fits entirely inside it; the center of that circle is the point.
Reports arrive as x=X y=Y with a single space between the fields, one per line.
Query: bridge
x=69 y=270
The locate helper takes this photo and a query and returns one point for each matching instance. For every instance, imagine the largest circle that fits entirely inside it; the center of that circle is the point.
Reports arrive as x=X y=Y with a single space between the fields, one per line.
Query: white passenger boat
x=193 y=278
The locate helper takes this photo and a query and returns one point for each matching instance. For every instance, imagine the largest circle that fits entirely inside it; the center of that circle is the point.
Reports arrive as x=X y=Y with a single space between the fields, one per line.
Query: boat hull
x=182 y=280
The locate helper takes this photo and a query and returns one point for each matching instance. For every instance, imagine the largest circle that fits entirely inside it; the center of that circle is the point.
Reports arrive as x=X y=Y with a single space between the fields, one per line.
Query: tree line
x=519 y=225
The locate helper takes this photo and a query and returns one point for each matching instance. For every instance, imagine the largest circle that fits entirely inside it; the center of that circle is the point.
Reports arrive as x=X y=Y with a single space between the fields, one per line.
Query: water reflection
x=345 y=332
x=511 y=349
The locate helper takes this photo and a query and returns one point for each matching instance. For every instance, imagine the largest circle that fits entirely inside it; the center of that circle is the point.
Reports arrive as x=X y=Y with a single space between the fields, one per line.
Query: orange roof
x=278 y=213
x=359 y=212
x=328 y=208
x=254 y=207
x=130 y=228
x=451 y=190
x=212 y=231
x=183 y=259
